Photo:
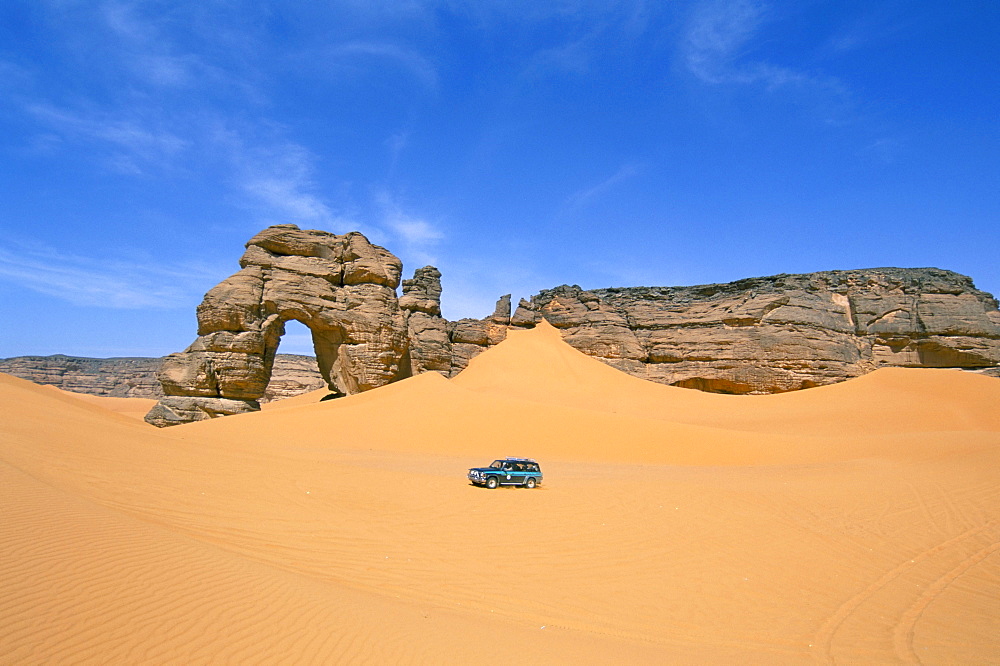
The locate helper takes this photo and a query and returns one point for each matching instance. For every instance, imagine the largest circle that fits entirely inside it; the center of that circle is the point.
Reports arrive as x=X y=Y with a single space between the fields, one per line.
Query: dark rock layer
x=135 y=377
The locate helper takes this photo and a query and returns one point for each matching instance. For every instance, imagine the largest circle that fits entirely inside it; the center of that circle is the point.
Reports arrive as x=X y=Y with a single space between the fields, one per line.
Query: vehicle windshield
x=496 y=464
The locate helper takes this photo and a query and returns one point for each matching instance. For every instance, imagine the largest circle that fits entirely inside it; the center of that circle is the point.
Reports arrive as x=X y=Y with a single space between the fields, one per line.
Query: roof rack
x=520 y=459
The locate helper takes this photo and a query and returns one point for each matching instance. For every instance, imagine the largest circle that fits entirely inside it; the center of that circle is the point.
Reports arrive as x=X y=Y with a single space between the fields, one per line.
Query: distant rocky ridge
x=135 y=377
x=759 y=335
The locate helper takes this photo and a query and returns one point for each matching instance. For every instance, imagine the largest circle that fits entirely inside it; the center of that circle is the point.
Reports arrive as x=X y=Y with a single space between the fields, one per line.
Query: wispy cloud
x=413 y=61
x=493 y=12
x=717 y=31
x=109 y=284
x=396 y=144
x=275 y=176
x=147 y=50
x=885 y=150
x=135 y=141
x=576 y=37
x=413 y=230
x=13 y=76
x=175 y=110
x=417 y=234
x=169 y=71
x=573 y=57
x=278 y=178
x=122 y=19
x=719 y=40
x=583 y=197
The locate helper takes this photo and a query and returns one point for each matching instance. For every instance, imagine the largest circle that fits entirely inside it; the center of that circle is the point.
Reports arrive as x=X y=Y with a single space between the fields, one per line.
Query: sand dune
x=855 y=523
x=891 y=400
x=133 y=407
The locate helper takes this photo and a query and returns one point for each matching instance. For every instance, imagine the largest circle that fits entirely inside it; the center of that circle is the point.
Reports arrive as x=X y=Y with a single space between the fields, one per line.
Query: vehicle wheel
x=492 y=482
x=530 y=483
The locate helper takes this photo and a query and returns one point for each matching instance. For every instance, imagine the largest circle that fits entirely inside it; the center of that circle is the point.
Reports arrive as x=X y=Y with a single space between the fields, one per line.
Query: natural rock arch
x=342 y=288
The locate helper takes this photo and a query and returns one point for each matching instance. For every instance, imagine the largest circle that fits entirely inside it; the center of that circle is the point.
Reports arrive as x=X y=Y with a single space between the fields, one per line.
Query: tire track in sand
x=822 y=643
x=902 y=637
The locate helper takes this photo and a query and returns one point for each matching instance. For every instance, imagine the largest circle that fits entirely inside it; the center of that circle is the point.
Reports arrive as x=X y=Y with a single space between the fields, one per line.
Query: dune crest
x=537 y=365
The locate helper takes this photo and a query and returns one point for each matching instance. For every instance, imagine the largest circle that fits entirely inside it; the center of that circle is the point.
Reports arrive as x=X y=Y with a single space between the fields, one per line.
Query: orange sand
x=855 y=523
x=136 y=408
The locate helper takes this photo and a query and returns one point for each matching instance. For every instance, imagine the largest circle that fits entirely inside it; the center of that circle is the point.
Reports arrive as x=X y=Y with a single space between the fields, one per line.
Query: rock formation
x=780 y=333
x=759 y=335
x=342 y=288
x=135 y=377
x=113 y=377
x=429 y=347
x=470 y=337
x=436 y=344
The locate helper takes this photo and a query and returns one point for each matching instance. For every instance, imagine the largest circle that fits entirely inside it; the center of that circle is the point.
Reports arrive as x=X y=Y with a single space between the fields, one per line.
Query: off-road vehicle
x=507 y=472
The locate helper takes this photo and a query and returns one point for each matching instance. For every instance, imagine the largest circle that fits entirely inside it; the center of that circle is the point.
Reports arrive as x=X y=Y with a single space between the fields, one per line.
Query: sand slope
x=136 y=408
x=892 y=400
x=856 y=523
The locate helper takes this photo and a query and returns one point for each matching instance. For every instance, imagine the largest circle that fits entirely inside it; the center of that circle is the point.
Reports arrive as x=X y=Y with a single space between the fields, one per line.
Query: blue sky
x=515 y=145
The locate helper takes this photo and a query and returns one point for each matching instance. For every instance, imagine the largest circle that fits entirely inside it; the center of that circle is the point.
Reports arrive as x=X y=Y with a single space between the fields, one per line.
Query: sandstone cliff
x=780 y=333
x=759 y=335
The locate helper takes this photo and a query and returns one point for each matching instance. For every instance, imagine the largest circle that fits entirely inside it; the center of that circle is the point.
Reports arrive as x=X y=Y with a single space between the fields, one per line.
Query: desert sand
x=853 y=523
x=133 y=407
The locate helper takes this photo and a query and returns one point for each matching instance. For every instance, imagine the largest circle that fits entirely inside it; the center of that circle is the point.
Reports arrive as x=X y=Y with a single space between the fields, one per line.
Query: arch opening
x=293 y=369
x=293 y=336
